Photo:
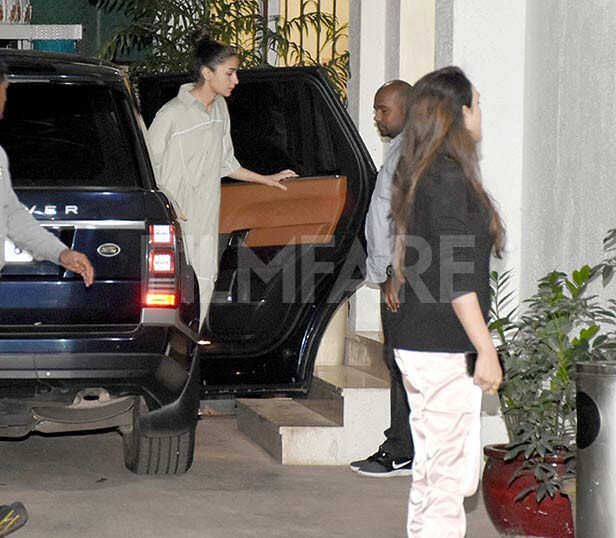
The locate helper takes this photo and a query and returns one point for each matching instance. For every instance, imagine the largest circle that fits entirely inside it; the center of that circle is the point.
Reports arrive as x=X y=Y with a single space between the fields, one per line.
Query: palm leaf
x=163 y=29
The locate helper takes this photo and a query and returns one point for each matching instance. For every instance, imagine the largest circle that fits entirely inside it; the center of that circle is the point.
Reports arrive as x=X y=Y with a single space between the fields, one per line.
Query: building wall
x=547 y=82
x=487 y=39
x=371 y=31
x=570 y=139
x=417 y=39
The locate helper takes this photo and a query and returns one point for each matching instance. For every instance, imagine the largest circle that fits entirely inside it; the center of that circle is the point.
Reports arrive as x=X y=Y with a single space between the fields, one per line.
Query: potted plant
x=561 y=324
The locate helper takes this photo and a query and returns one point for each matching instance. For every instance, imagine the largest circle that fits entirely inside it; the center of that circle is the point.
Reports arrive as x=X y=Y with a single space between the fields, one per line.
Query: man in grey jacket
x=18 y=225
x=395 y=456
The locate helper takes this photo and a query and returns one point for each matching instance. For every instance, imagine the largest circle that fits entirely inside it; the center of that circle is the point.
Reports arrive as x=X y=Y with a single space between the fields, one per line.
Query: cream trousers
x=445 y=419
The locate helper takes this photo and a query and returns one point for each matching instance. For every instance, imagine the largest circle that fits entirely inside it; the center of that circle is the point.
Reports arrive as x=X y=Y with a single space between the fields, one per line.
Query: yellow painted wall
x=290 y=9
x=417 y=38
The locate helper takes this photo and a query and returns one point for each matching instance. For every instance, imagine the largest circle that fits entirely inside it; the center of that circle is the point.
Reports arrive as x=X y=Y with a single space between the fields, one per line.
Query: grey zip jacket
x=20 y=226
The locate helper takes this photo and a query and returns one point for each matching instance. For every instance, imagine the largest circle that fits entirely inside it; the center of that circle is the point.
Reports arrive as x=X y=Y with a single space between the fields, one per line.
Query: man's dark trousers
x=399 y=442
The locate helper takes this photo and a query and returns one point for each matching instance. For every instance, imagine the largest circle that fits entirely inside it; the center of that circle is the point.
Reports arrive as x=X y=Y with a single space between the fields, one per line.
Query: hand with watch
x=390 y=289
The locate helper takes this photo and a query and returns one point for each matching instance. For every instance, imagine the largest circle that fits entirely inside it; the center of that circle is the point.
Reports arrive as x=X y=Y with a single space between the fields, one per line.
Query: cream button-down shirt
x=191 y=149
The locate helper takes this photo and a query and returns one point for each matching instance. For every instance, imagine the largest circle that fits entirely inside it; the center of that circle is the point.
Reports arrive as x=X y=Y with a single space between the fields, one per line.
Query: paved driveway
x=77 y=486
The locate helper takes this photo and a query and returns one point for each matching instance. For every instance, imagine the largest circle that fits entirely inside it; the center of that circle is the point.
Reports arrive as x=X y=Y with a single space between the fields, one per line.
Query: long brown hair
x=435 y=123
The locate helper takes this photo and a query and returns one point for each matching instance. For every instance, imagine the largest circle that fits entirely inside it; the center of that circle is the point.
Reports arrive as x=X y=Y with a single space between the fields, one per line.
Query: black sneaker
x=12 y=517
x=357 y=465
x=384 y=465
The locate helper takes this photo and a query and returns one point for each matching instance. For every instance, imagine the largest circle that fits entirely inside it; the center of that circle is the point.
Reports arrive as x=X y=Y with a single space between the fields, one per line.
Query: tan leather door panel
x=308 y=212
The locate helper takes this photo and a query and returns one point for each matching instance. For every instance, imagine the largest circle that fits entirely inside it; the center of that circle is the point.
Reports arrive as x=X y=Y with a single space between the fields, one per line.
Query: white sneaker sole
x=390 y=474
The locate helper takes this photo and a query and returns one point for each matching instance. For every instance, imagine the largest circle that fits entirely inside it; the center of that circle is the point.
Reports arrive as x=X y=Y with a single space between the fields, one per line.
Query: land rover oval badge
x=108 y=250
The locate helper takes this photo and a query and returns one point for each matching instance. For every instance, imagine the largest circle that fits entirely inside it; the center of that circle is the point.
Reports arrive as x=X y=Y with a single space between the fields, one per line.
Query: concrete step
x=364 y=351
x=326 y=396
x=352 y=377
x=271 y=423
x=342 y=419
x=325 y=399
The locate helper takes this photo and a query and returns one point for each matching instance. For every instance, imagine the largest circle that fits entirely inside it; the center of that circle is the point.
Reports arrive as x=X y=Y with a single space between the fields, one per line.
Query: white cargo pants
x=445 y=420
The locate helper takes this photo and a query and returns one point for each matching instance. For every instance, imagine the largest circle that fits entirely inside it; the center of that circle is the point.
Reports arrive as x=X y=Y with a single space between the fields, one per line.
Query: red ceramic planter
x=551 y=518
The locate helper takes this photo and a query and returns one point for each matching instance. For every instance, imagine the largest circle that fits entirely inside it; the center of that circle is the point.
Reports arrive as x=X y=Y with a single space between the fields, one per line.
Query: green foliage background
x=165 y=29
x=79 y=12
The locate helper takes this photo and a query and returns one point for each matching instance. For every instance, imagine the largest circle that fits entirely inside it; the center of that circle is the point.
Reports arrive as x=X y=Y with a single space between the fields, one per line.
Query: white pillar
x=367 y=31
x=369 y=27
x=388 y=39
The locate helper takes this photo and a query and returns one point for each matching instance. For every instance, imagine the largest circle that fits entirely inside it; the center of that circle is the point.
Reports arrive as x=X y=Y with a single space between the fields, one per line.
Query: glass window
x=68 y=135
x=277 y=125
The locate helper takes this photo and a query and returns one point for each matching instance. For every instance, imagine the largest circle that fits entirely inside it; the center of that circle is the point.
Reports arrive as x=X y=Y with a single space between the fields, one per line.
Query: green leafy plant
x=163 y=29
x=562 y=324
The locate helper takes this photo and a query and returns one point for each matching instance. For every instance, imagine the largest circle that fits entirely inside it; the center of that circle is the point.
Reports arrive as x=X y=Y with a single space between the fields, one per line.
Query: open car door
x=287 y=259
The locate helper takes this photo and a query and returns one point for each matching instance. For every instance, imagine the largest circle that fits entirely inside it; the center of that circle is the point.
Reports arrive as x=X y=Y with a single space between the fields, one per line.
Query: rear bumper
x=44 y=374
x=31 y=381
x=78 y=365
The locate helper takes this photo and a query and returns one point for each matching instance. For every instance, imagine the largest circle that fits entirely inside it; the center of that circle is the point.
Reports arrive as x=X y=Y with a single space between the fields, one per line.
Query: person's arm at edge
x=488 y=373
x=157 y=140
x=24 y=230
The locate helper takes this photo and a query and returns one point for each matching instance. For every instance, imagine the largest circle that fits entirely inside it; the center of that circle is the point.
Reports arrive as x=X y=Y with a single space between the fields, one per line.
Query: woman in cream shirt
x=191 y=149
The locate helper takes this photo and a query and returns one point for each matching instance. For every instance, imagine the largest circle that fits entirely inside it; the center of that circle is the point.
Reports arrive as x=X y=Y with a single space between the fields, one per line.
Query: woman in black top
x=447 y=226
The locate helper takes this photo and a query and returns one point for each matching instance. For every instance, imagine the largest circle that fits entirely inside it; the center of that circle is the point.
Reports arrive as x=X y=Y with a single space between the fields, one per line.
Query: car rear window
x=68 y=135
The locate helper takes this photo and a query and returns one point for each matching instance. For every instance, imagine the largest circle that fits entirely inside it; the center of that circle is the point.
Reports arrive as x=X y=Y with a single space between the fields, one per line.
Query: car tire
x=157 y=455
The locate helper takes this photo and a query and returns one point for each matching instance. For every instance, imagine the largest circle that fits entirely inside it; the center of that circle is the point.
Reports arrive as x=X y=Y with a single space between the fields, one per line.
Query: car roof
x=47 y=65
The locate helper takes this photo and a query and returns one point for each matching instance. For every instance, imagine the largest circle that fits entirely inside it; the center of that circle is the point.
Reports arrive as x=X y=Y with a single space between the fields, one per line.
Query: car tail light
x=162 y=235
x=162 y=262
x=160 y=299
x=161 y=282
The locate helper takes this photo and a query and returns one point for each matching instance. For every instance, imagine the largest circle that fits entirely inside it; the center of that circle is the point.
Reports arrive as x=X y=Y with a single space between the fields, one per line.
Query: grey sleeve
x=379 y=233
x=21 y=227
x=380 y=227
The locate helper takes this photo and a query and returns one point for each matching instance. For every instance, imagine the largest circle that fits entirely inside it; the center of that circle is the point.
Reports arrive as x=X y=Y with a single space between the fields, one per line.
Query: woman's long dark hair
x=208 y=53
x=434 y=124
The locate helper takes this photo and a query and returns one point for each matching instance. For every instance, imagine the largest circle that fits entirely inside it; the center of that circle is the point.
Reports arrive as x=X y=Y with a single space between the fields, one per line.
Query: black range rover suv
x=127 y=353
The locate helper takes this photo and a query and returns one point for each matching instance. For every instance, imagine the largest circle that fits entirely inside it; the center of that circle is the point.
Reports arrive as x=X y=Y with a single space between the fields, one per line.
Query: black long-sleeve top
x=447 y=255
